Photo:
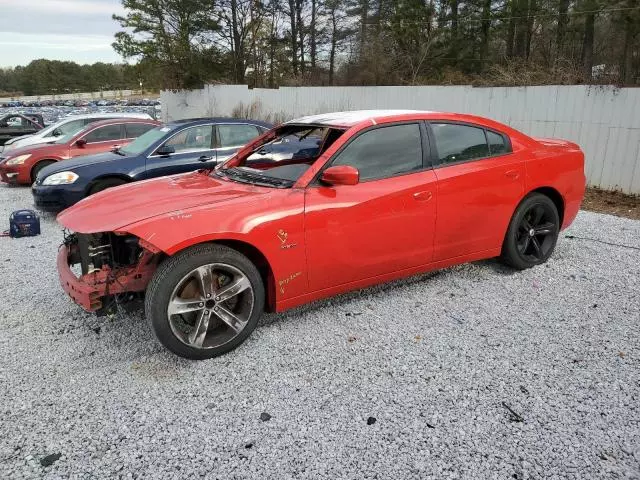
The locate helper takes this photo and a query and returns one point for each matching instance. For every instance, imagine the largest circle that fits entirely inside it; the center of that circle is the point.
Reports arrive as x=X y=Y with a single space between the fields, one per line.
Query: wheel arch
x=38 y=162
x=107 y=176
x=556 y=198
x=255 y=255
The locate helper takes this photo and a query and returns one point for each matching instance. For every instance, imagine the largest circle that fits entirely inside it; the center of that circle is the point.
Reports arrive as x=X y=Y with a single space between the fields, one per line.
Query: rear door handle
x=423 y=196
x=512 y=174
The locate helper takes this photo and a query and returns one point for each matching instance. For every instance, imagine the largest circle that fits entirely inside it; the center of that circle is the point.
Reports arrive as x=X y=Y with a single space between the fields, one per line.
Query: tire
x=532 y=233
x=197 y=332
x=38 y=167
x=101 y=185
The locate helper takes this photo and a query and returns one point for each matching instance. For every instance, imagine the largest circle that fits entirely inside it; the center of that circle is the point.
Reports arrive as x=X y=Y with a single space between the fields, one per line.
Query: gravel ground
x=410 y=380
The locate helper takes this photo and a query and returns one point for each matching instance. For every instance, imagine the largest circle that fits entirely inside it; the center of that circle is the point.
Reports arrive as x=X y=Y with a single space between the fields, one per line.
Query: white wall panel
x=603 y=120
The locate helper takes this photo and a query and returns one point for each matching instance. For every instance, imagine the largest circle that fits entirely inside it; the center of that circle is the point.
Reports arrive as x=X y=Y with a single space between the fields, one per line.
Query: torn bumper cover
x=90 y=289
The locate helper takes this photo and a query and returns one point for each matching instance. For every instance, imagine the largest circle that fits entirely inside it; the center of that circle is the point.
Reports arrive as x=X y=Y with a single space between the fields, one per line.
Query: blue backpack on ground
x=24 y=223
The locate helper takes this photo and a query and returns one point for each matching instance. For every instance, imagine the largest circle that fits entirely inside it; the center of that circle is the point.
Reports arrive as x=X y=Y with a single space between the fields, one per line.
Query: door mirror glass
x=81 y=142
x=341 y=175
x=166 y=150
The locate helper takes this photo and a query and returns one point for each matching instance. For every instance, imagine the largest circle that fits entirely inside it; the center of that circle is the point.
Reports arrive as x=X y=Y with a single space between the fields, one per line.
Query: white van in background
x=67 y=126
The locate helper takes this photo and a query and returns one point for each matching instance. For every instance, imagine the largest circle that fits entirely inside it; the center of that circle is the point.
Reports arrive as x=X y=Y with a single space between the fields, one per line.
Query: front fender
x=277 y=232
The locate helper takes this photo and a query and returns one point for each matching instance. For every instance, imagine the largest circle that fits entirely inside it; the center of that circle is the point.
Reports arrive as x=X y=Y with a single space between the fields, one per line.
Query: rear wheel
x=101 y=185
x=38 y=167
x=532 y=233
x=204 y=301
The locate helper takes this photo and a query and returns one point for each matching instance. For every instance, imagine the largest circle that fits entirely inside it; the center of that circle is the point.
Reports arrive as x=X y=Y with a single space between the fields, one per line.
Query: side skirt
x=387 y=277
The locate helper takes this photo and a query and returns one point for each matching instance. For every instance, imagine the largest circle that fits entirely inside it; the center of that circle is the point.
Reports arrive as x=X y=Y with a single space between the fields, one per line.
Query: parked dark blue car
x=176 y=147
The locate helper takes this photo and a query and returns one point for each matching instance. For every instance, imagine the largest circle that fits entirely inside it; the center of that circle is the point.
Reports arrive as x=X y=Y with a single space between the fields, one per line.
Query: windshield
x=65 y=127
x=283 y=159
x=144 y=141
x=63 y=139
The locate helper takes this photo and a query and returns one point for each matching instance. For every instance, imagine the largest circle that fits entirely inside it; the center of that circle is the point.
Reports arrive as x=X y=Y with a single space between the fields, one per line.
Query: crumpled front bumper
x=89 y=290
x=84 y=294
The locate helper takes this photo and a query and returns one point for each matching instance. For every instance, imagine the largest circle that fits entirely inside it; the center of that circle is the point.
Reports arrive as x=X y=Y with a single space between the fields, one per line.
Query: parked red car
x=386 y=194
x=23 y=164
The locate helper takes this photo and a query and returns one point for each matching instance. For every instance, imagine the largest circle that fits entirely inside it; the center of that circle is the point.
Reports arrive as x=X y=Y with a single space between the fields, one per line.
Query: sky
x=76 y=30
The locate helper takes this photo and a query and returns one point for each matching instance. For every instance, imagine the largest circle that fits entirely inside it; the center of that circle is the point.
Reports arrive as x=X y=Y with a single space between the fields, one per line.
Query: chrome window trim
x=152 y=155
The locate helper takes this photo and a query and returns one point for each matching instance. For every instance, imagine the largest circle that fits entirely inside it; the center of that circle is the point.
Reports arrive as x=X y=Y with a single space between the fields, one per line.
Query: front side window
x=456 y=143
x=192 y=139
x=236 y=135
x=104 y=134
x=13 y=122
x=384 y=152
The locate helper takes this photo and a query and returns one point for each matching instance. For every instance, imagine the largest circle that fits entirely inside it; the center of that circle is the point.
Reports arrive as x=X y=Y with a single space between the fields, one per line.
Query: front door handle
x=205 y=158
x=423 y=196
x=512 y=174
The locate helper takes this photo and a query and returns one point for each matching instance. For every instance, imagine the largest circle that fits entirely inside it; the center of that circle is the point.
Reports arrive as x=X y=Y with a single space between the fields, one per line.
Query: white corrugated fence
x=603 y=120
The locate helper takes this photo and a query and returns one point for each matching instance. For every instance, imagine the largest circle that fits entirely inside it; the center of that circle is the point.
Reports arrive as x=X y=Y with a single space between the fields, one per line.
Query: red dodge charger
x=316 y=207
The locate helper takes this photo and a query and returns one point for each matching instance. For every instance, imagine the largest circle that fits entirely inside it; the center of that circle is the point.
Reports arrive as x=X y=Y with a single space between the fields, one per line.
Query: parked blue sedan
x=176 y=147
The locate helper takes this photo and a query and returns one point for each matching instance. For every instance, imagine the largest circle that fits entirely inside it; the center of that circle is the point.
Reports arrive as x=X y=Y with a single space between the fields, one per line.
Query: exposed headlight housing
x=19 y=160
x=60 y=178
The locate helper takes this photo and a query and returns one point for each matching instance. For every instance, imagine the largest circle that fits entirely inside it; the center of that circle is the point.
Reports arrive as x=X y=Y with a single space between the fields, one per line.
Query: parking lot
x=471 y=372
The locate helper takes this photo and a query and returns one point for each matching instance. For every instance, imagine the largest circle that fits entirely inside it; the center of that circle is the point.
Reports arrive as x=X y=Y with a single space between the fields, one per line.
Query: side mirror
x=81 y=142
x=56 y=133
x=341 y=175
x=166 y=150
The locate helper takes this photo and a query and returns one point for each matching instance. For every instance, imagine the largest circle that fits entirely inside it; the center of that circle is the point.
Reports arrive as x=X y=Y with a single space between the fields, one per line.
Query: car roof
x=206 y=120
x=84 y=116
x=118 y=121
x=349 y=119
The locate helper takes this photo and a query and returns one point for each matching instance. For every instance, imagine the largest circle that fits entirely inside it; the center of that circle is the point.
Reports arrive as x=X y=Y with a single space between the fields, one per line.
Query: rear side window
x=384 y=152
x=497 y=143
x=456 y=143
x=134 y=130
x=236 y=135
x=104 y=134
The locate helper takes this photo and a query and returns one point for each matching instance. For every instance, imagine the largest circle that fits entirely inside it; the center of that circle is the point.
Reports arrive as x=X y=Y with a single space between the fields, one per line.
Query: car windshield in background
x=69 y=128
x=63 y=138
x=144 y=141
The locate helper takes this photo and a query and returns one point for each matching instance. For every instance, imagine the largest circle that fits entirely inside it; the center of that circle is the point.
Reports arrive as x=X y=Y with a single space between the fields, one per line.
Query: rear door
x=233 y=136
x=480 y=182
x=194 y=149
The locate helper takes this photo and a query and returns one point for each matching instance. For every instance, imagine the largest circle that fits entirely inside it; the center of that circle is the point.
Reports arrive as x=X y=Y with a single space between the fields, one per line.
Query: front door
x=383 y=224
x=193 y=149
x=99 y=140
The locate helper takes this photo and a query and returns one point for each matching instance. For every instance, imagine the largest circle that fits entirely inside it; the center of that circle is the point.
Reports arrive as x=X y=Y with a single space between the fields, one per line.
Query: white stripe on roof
x=351 y=118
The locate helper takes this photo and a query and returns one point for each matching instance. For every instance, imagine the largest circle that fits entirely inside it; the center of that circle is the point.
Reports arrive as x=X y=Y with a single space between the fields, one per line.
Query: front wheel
x=204 y=301
x=532 y=233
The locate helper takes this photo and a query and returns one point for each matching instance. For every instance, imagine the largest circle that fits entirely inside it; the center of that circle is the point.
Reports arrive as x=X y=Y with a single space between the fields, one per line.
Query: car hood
x=34 y=149
x=76 y=162
x=115 y=208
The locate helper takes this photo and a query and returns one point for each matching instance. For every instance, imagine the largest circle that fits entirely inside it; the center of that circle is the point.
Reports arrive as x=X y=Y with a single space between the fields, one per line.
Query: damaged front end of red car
x=100 y=271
